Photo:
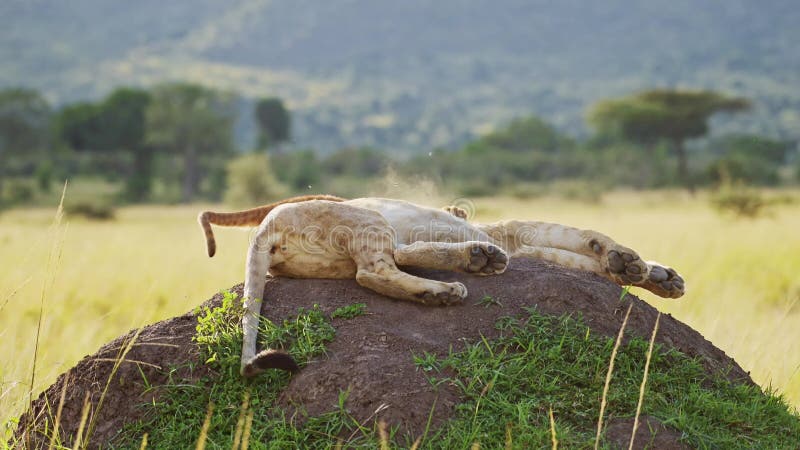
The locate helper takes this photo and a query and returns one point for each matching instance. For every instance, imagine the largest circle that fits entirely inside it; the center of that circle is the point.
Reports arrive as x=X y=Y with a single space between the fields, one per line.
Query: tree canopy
x=24 y=121
x=274 y=122
x=24 y=117
x=191 y=121
x=663 y=114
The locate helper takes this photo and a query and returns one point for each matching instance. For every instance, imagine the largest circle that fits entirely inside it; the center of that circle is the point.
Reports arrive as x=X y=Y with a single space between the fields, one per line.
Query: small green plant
x=427 y=362
x=219 y=334
x=488 y=300
x=349 y=311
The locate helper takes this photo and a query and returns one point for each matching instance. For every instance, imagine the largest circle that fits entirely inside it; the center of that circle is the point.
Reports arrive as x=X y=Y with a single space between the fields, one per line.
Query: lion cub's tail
x=247 y=218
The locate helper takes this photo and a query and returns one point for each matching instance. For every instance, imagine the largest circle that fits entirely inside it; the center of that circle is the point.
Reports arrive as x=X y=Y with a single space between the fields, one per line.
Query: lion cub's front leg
x=480 y=258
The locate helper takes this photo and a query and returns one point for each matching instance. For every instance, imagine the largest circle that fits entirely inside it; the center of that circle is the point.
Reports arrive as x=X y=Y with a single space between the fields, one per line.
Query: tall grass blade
x=553 y=430
x=144 y=442
x=248 y=428
x=609 y=373
x=60 y=408
x=383 y=435
x=13 y=293
x=53 y=259
x=237 y=437
x=644 y=382
x=78 y=444
x=117 y=363
x=428 y=423
x=201 y=440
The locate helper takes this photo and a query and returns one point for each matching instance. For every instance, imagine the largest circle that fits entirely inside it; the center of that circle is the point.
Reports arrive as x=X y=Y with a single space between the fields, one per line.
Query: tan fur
x=368 y=238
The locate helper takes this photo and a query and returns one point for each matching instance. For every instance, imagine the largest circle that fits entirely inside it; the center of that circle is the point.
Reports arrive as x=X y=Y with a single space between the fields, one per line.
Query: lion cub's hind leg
x=379 y=273
x=481 y=258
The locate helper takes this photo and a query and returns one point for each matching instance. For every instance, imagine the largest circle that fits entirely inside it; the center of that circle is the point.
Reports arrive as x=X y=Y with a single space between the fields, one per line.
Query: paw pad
x=488 y=259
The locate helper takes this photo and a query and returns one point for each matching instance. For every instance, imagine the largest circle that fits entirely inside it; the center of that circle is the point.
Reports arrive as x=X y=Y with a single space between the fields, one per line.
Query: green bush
x=90 y=210
x=17 y=192
x=298 y=169
x=251 y=181
x=739 y=200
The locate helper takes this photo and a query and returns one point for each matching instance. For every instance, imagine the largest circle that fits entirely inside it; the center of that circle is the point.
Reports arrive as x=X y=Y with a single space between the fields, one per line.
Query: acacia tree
x=24 y=118
x=192 y=122
x=274 y=122
x=664 y=115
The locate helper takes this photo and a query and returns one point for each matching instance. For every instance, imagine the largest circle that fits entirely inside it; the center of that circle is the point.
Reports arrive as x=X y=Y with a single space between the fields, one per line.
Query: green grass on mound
x=509 y=386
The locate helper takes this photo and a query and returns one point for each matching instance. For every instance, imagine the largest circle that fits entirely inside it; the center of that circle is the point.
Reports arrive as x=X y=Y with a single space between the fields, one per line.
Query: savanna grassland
x=149 y=264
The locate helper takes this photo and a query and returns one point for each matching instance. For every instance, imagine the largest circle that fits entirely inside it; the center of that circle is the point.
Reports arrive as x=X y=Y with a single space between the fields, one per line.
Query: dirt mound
x=370 y=355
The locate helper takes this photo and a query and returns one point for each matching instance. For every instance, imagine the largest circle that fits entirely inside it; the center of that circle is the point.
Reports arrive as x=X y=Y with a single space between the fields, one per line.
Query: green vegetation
x=175 y=142
x=509 y=384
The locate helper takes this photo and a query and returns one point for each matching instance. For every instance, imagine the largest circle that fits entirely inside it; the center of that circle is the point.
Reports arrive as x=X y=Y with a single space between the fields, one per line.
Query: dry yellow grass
x=150 y=263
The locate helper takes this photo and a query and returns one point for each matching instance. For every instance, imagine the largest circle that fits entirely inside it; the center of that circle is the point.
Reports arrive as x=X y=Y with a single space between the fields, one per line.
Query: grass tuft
x=349 y=311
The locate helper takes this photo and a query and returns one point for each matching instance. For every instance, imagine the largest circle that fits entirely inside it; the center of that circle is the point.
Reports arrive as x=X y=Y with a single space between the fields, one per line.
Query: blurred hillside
x=413 y=75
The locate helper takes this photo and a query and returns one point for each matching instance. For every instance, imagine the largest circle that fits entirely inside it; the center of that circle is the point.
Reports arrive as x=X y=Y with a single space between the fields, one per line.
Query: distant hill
x=411 y=75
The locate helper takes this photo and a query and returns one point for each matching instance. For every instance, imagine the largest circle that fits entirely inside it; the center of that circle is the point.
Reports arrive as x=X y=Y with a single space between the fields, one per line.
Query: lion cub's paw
x=664 y=281
x=452 y=294
x=625 y=266
x=486 y=259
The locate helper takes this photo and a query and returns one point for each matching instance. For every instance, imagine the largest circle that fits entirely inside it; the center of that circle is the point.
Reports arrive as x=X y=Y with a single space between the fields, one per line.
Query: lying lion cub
x=322 y=236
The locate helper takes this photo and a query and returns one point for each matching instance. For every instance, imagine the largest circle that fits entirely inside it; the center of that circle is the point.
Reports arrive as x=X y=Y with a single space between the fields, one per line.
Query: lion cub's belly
x=308 y=261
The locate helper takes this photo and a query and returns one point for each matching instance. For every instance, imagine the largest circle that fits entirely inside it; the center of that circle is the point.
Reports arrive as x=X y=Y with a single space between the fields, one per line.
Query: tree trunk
x=190 y=174
x=683 y=165
x=140 y=182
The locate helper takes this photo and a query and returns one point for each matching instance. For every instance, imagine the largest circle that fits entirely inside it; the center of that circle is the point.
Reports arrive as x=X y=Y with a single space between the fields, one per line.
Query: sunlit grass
x=150 y=264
